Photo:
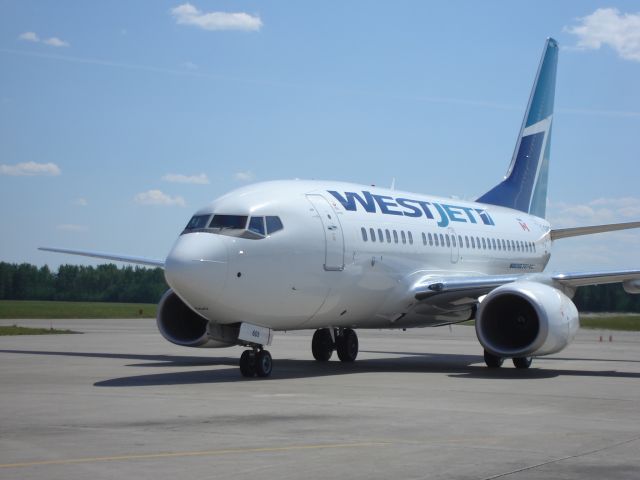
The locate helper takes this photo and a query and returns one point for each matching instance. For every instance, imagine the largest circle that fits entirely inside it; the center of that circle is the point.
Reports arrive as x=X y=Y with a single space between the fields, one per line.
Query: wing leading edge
x=477 y=286
x=108 y=256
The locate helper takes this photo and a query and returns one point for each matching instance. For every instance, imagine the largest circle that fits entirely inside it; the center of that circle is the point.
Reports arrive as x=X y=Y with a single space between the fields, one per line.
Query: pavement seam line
x=569 y=457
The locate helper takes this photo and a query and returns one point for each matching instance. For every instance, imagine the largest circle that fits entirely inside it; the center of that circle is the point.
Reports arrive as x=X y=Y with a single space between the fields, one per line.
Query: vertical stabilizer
x=524 y=187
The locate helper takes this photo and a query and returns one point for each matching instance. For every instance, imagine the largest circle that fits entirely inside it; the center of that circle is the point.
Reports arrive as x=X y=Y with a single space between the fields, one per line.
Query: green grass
x=16 y=309
x=603 y=321
x=627 y=322
x=16 y=330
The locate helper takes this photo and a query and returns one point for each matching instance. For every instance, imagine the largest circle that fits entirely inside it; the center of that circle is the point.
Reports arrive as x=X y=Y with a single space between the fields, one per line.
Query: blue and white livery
x=334 y=257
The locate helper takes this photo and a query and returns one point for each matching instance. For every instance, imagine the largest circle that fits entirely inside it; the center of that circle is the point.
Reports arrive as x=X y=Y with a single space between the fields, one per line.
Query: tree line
x=104 y=283
x=108 y=283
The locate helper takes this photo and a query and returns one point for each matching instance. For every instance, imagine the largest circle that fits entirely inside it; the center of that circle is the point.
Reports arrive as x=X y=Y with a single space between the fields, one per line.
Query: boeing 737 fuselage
x=333 y=257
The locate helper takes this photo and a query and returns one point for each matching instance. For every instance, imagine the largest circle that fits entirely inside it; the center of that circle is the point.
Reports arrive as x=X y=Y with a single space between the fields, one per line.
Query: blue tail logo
x=524 y=187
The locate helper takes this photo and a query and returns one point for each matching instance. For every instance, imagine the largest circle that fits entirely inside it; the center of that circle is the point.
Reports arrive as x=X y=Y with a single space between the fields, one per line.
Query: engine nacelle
x=179 y=324
x=526 y=319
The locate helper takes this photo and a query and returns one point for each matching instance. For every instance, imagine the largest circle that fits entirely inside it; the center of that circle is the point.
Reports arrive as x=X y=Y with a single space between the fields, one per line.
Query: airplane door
x=455 y=246
x=334 y=237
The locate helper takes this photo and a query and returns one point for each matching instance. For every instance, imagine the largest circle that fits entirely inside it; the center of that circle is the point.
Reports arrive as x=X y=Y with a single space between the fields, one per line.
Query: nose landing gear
x=256 y=362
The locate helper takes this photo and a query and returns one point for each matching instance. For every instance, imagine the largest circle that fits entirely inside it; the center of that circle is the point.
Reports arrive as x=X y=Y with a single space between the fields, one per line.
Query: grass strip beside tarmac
x=17 y=309
x=16 y=330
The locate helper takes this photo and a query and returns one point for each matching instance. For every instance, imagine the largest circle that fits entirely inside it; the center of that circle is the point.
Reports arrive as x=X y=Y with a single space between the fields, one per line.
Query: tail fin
x=524 y=187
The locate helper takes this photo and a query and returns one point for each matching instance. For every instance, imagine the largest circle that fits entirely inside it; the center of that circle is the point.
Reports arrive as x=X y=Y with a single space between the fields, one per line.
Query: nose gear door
x=334 y=237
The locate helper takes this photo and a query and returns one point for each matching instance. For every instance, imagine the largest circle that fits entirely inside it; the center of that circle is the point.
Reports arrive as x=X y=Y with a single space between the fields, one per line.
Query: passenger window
x=364 y=233
x=404 y=237
x=453 y=240
x=447 y=239
x=256 y=225
x=504 y=247
x=410 y=238
x=388 y=236
x=373 y=234
x=395 y=236
x=484 y=244
x=430 y=240
x=380 y=236
x=473 y=243
x=273 y=224
x=424 y=239
x=493 y=242
x=436 y=237
x=235 y=222
x=441 y=240
x=466 y=241
x=460 y=240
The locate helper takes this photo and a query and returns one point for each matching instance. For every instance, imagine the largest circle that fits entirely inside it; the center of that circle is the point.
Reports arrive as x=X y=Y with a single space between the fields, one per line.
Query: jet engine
x=526 y=319
x=179 y=324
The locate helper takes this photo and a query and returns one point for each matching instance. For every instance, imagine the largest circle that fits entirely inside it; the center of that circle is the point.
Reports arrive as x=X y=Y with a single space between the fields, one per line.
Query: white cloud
x=156 y=197
x=200 y=179
x=52 y=41
x=187 y=14
x=81 y=202
x=30 y=169
x=55 y=42
x=69 y=227
x=29 y=37
x=607 y=26
x=595 y=212
x=245 y=176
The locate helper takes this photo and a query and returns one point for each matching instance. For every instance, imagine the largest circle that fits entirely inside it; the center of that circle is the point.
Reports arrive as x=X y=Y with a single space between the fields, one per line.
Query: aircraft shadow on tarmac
x=455 y=366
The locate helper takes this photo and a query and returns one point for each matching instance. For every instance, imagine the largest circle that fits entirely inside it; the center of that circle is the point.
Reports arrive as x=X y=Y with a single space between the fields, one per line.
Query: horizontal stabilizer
x=108 y=256
x=577 y=231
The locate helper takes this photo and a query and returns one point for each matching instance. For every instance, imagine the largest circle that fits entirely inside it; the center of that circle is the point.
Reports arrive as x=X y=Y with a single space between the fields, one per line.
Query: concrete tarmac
x=118 y=401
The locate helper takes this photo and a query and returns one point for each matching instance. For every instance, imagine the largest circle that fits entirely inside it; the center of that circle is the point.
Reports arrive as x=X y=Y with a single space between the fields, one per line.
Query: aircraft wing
x=453 y=287
x=108 y=256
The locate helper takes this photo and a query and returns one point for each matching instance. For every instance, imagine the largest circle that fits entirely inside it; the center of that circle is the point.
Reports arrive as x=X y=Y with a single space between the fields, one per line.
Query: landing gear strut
x=344 y=341
x=256 y=362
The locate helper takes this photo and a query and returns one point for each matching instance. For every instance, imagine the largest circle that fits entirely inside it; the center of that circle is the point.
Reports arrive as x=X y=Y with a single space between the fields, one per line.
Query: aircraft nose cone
x=196 y=268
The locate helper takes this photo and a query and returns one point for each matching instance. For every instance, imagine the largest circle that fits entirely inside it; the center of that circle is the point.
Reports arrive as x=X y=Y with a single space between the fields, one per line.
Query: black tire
x=522 y=362
x=264 y=364
x=347 y=345
x=248 y=363
x=322 y=345
x=492 y=361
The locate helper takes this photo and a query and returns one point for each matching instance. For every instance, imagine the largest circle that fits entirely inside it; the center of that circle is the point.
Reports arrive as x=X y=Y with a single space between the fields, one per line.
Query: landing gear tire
x=248 y=363
x=492 y=361
x=347 y=345
x=264 y=363
x=522 y=362
x=322 y=345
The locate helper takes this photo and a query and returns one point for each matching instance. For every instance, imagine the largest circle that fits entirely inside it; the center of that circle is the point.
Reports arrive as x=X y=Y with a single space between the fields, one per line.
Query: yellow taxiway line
x=203 y=453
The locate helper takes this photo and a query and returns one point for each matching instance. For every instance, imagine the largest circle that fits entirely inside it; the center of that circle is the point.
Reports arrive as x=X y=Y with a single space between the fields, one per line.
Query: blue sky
x=108 y=109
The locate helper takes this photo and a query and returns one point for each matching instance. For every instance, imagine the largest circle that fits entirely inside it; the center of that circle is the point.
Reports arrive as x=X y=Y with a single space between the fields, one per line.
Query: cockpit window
x=233 y=222
x=197 y=222
x=273 y=224
x=256 y=225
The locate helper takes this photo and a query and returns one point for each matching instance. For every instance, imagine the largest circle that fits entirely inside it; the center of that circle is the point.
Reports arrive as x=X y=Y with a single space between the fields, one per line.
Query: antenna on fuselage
x=393 y=183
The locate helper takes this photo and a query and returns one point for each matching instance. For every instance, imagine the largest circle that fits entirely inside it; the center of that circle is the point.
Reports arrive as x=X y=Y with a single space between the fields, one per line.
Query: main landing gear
x=256 y=362
x=494 y=361
x=342 y=340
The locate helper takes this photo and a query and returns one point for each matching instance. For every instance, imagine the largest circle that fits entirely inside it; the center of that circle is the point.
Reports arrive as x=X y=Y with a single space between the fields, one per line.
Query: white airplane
x=330 y=256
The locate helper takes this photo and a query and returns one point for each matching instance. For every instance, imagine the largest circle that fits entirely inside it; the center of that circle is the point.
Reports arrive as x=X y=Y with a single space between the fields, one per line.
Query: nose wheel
x=256 y=362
